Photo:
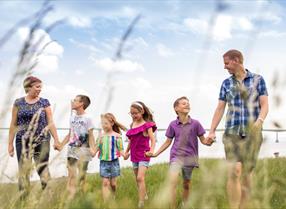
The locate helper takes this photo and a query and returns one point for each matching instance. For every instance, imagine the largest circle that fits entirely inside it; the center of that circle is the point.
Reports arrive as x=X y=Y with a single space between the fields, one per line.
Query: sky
x=175 y=49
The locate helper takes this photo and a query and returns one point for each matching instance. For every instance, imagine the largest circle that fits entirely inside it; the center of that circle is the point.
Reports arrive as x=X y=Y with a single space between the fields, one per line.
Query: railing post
x=277 y=140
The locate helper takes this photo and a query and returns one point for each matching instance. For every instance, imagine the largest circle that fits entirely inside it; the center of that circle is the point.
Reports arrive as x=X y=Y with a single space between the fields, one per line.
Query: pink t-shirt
x=139 y=144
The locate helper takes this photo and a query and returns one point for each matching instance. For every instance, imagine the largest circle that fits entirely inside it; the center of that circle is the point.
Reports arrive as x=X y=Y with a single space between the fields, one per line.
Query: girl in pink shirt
x=140 y=135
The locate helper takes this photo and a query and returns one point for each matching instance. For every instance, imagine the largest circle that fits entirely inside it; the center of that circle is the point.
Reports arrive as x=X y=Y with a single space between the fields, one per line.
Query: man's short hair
x=233 y=53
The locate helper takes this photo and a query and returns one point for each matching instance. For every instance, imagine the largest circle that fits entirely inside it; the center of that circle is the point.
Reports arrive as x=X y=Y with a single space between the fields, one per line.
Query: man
x=246 y=95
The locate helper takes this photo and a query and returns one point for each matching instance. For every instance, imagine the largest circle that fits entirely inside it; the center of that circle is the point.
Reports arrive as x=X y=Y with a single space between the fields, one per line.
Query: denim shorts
x=186 y=170
x=140 y=163
x=109 y=169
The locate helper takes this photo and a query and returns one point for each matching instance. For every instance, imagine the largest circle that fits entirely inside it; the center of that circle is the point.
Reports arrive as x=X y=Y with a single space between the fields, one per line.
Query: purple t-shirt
x=185 y=146
x=139 y=144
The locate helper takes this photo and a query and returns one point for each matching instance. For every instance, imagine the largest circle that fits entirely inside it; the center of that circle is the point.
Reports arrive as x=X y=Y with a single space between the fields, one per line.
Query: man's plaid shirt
x=243 y=101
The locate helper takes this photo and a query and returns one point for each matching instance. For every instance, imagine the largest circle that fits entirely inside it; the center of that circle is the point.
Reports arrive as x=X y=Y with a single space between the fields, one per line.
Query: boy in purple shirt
x=184 y=151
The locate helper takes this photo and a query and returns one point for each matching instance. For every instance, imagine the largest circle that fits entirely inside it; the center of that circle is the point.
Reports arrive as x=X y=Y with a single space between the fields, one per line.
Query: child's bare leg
x=187 y=175
x=71 y=186
x=105 y=188
x=135 y=170
x=173 y=179
x=113 y=185
x=82 y=167
x=186 y=190
x=141 y=182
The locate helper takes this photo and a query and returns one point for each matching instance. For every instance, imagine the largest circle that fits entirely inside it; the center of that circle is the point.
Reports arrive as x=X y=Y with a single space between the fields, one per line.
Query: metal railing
x=276 y=131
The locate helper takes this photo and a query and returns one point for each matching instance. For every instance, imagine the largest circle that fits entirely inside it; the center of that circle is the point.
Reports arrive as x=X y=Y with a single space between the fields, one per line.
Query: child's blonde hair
x=116 y=125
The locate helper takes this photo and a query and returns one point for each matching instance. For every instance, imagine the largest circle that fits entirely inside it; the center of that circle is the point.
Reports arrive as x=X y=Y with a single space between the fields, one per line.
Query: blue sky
x=175 y=49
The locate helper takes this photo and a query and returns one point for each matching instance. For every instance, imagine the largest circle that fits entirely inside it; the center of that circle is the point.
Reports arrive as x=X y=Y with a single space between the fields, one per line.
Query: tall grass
x=208 y=189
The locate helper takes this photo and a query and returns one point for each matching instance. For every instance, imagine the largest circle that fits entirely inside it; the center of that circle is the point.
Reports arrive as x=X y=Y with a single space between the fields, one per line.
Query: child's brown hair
x=85 y=100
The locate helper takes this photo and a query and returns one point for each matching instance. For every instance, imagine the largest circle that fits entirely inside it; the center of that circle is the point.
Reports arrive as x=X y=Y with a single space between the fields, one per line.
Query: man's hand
x=209 y=141
x=210 y=138
x=258 y=124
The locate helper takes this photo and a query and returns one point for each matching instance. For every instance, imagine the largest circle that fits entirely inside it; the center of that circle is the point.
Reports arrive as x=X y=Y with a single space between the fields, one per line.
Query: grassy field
x=208 y=189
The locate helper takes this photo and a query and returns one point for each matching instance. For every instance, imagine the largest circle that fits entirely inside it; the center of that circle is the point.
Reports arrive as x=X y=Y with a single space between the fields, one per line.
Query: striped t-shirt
x=109 y=147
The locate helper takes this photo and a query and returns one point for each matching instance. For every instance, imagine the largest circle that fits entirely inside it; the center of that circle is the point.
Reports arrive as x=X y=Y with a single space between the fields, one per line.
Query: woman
x=32 y=123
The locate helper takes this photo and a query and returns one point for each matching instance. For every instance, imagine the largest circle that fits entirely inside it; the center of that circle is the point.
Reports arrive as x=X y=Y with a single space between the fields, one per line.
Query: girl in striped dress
x=110 y=147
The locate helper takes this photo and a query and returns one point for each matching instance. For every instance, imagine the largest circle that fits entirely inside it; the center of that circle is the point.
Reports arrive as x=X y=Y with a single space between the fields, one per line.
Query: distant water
x=9 y=167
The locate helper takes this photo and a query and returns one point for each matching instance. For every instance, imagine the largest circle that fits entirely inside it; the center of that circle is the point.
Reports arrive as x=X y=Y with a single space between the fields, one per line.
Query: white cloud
x=269 y=16
x=272 y=34
x=123 y=66
x=271 y=11
x=80 y=15
x=53 y=48
x=141 y=83
x=48 y=60
x=103 y=48
x=72 y=89
x=139 y=42
x=222 y=28
x=196 y=25
x=85 y=46
x=62 y=94
x=79 y=72
x=129 y=12
x=245 y=24
x=164 y=51
x=47 y=64
x=80 y=22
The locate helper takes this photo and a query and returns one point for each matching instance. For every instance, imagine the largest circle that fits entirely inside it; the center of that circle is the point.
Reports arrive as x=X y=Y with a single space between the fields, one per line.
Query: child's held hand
x=149 y=154
x=58 y=146
x=126 y=156
x=209 y=141
x=93 y=151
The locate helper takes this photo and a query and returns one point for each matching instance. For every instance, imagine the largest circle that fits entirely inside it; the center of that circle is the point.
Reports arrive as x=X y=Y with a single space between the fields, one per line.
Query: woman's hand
x=11 y=150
